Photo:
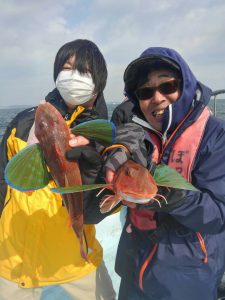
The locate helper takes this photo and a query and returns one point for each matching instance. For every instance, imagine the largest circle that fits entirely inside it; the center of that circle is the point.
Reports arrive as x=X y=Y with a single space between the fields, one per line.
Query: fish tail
x=75 y=210
x=79 y=235
x=82 y=251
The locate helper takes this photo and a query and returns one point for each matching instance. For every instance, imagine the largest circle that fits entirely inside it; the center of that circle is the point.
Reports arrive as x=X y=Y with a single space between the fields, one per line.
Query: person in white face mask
x=40 y=255
x=75 y=88
x=80 y=76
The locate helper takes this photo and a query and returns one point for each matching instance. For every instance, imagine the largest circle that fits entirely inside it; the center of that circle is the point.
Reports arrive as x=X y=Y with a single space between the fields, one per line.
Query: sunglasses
x=164 y=88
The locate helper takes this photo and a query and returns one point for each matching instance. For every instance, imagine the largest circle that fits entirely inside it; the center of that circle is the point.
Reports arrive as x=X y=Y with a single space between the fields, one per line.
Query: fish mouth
x=133 y=199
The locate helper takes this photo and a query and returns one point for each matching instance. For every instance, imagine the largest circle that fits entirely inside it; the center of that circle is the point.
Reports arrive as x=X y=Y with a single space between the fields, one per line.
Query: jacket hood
x=191 y=89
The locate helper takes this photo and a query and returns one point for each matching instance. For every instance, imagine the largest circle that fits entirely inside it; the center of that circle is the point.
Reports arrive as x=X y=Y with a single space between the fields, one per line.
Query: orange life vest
x=181 y=159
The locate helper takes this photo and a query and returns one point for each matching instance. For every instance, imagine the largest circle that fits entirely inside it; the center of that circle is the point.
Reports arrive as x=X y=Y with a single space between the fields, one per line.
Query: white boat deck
x=108 y=233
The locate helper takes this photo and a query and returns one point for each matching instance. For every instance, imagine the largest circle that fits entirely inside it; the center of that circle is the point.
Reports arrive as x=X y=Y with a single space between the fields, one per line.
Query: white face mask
x=75 y=88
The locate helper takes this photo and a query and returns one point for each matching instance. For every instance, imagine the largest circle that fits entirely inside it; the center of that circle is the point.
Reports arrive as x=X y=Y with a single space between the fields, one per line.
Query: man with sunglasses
x=175 y=251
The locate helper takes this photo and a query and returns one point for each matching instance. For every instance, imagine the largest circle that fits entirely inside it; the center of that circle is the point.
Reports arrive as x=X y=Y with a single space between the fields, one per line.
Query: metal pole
x=215 y=94
x=214 y=111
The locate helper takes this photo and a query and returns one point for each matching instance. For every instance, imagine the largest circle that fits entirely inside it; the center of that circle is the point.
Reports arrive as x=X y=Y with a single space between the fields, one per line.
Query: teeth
x=158 y=113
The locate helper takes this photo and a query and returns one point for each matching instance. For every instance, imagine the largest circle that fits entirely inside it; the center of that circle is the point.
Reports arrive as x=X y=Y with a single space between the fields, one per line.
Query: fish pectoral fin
x=108 y=202
x=166 y=176
x=102 y=131
x=27 y=170
x=79 y=188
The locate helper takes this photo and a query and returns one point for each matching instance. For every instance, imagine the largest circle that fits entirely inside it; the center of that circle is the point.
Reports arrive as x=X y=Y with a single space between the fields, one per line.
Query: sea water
x=7 y=114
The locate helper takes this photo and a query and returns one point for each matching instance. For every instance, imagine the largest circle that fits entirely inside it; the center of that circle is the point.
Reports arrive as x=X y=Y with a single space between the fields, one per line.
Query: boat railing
x=214 y=98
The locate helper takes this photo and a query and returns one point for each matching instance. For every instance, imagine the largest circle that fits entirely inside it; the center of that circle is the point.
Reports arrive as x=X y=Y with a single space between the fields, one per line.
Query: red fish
x=132 y=183
x=53 y=135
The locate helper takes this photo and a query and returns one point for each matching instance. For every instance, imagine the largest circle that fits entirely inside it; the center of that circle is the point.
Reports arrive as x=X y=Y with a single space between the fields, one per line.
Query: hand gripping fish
x=133 y=183
x=29 y=169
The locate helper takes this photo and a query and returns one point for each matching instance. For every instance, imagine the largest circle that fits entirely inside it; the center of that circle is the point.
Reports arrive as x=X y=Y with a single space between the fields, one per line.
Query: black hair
x=140 y=75
x=88 y=59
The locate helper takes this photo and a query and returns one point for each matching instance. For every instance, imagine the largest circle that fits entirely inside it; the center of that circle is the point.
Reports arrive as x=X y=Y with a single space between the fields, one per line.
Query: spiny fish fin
x=102 y=131
x=108 y=202
x=27 y=170
x=166 y=176
x=79 y=188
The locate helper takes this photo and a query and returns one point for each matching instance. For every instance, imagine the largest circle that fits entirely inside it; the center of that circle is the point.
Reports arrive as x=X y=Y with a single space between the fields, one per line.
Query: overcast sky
x=31 y=32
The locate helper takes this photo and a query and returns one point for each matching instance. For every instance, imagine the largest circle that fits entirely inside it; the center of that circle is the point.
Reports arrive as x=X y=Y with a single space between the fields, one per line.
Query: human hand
x=89 y=159
x=130 y=142
x=109 y=175
x=78 y=140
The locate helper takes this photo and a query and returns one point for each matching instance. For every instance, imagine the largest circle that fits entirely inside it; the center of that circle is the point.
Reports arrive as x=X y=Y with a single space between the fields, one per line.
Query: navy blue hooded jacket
x=177 y=270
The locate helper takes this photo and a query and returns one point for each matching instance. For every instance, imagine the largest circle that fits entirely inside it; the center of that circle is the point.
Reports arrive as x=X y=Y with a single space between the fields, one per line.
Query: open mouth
x=158 y=113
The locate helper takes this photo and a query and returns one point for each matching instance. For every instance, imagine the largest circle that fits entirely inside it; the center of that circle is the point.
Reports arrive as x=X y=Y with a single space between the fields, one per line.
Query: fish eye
x=43 y=125
x=127 y=172
x=130 y=172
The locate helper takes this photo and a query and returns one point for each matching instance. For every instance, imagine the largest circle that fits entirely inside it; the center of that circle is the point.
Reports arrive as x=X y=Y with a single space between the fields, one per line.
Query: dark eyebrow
x=166 y=75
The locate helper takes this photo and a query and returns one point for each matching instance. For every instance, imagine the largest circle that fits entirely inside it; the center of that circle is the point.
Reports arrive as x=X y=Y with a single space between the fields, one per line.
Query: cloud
x=31 y=33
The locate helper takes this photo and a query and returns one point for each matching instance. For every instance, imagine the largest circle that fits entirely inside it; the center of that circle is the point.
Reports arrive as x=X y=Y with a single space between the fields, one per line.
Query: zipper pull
x=164 y=139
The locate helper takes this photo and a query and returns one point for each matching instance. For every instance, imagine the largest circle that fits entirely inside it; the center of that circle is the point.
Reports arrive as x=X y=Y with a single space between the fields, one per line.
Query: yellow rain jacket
x=37 y=245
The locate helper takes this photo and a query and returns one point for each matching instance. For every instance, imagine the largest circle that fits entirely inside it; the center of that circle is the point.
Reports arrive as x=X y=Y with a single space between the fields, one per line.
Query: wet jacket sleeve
x=205 y=210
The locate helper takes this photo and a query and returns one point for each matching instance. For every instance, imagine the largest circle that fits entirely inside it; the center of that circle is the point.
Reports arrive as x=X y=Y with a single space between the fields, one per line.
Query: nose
x=157 y=97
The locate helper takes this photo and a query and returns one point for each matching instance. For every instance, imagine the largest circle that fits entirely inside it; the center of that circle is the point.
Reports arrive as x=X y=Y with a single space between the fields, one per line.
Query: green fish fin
x=27 y=170
x=102 y=131
x=79 y=188
x=166 y=176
